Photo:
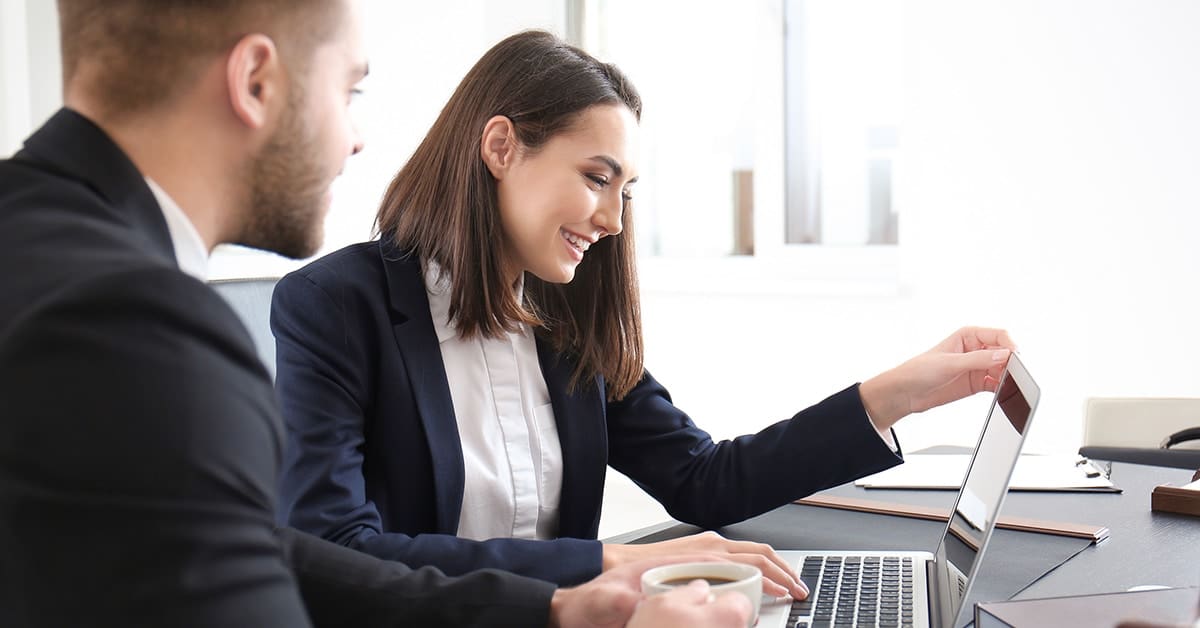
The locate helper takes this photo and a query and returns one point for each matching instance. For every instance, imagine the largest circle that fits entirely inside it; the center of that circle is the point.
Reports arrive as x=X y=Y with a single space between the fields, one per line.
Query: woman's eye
x=599 y=180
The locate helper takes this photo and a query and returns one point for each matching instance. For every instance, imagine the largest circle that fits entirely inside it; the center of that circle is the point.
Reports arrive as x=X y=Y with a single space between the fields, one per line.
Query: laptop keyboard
x=855 y=591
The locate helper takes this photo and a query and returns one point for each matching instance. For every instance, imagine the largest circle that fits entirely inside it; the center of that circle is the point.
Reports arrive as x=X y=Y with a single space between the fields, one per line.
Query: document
x=1034 y=472
x=1162 y=607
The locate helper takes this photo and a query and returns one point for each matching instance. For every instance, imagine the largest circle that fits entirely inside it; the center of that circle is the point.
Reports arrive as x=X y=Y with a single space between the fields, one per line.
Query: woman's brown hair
x=443 y=206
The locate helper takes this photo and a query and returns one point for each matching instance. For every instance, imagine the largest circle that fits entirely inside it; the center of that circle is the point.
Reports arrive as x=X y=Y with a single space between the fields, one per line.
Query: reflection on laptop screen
x=986 y=483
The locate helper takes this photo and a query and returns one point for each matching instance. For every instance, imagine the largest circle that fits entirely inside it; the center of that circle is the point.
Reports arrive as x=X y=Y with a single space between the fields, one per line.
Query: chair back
x=251 y=299
x=1133 y=429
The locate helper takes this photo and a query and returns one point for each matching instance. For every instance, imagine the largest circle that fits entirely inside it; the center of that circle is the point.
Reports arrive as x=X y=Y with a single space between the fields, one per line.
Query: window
x=768 y=124
x=842 y=105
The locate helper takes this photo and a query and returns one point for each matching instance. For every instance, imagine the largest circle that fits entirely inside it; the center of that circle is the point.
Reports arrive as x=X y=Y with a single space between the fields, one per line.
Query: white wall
x=1056 y=148
x=1053 y=151
x=29 y=69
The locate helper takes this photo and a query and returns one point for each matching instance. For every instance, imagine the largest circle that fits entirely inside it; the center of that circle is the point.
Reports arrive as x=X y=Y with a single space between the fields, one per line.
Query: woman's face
x=560 y=200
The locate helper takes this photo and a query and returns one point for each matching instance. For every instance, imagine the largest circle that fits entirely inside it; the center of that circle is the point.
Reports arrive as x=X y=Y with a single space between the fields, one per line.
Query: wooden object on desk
x=1024 y=524
x=1166 y=607
x=1184 y=500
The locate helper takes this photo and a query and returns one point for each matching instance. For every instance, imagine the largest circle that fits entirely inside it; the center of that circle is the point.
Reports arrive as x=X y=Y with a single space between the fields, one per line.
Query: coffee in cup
x=722 y=577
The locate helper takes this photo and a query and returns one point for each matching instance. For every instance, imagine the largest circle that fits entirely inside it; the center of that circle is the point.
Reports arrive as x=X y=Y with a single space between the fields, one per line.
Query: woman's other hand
x=969 y=361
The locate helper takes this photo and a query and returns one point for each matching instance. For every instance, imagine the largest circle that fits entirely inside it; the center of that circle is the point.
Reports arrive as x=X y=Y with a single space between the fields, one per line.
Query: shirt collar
x=437 y=285
x=190 y=252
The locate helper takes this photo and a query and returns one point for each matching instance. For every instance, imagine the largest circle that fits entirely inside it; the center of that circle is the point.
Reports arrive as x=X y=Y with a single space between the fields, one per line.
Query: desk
x=1143 y=547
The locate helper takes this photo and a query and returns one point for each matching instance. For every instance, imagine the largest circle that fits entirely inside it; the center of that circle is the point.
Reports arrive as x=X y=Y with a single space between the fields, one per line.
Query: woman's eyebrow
x=613 y=165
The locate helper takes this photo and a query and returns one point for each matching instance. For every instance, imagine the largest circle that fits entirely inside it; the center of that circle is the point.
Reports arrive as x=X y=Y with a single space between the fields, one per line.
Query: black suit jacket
x=139 y=436
x=374 y=460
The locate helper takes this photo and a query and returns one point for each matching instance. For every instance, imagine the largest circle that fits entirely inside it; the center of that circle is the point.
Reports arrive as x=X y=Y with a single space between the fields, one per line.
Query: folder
x=1161 y=606
x=1024 y=524
x=1034 y=472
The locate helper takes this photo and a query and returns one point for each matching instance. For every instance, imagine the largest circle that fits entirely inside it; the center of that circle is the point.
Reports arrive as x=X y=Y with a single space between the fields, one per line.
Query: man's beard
x=287 y=190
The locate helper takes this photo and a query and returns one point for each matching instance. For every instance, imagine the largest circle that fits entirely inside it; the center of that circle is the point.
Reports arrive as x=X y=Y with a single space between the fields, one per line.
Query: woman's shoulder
x=362 y=254
x=351 y=264
x=358 y=272
x=345 y=268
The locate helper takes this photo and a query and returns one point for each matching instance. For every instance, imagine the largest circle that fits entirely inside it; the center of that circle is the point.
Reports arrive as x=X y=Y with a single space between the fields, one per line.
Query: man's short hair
x=132 y=55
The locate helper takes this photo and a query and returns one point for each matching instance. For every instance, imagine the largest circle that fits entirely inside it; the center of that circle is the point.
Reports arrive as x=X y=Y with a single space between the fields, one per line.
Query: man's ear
x=254 y=77
x=498 y=146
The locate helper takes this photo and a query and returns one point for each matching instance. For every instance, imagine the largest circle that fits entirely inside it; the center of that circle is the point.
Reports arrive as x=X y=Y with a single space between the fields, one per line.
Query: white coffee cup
x=722 y=578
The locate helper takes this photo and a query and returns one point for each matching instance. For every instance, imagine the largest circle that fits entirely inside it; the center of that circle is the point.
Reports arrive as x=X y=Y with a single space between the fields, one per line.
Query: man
x=139 y=437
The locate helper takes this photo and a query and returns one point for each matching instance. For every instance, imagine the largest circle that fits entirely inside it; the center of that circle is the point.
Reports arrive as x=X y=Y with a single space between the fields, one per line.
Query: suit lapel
x=583 y=435
x=417 y=342
x=95 y=160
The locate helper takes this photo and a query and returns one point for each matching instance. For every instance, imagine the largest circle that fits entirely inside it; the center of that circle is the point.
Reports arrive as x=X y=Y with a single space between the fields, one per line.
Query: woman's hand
x=969 y=361
x=778 y=577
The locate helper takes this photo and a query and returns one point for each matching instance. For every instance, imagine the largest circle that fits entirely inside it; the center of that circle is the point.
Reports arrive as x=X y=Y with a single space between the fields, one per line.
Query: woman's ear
x=498 y=146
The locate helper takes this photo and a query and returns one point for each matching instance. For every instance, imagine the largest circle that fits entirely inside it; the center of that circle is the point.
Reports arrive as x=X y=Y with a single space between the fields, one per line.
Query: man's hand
x=693 y=606
x=610 y=599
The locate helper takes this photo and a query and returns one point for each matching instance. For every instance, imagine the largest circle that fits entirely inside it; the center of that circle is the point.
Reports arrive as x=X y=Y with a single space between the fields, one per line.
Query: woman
x=454 y=390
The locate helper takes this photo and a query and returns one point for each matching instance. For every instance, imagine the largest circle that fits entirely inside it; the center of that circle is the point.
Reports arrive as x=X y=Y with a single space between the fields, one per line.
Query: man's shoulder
x=152 y=354
x=58 y=235
x=147 y=311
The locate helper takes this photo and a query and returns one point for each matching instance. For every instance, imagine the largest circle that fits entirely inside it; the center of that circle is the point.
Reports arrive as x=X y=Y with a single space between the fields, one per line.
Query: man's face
x=290 y=178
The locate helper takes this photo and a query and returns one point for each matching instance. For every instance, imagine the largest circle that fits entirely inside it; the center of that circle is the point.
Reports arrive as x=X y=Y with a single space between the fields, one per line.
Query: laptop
x=903 y=588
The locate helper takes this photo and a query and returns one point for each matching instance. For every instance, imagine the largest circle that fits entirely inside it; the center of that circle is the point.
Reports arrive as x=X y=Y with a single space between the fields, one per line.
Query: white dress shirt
x=511 y=452
x=190 y=253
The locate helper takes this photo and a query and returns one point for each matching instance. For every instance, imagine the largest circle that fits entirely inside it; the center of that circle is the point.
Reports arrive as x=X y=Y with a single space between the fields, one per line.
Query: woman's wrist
x=883 y=399
x=612 y=555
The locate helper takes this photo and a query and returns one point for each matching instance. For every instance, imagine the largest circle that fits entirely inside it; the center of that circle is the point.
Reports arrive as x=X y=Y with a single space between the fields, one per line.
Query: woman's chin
x=561 y=274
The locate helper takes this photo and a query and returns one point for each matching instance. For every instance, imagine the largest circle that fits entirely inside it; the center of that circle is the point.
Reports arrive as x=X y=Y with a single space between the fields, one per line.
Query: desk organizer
x=1184 y=500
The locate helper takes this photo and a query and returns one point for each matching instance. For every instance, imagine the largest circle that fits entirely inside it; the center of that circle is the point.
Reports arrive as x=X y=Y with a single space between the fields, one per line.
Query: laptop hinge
x=934 y=598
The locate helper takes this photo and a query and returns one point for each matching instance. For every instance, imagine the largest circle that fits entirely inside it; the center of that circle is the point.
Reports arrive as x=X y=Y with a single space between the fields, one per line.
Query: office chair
x=1156 y=431
x=251 y=299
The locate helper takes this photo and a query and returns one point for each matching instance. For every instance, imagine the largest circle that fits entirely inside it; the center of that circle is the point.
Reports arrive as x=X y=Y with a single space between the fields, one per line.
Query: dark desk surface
x=1143 y=547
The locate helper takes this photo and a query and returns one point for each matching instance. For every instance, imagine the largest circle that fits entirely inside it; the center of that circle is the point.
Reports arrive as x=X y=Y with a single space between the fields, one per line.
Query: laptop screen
x=983 y=491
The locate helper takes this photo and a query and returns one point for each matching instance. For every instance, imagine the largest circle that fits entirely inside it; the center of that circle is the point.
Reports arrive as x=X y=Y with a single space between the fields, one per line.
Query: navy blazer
x=140 y=440
x=373 y=458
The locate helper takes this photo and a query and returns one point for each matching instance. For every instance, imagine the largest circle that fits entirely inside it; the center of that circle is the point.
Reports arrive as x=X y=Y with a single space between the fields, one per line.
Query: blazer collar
x=417 y=342
x=75 y=147
x=583 y=434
